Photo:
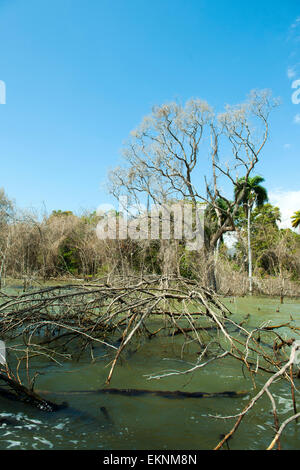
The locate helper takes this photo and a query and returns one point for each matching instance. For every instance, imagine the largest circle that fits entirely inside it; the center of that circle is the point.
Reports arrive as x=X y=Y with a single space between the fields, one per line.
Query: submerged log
x=18 y=392
x=132 y=392
x=172 y=394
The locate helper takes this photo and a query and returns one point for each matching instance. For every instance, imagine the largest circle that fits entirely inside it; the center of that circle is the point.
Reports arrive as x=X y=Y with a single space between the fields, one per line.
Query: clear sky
x=81 y=74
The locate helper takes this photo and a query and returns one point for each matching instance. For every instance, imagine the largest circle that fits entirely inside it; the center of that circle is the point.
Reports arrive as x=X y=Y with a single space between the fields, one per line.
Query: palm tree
x=296 y=219
x=253 y=194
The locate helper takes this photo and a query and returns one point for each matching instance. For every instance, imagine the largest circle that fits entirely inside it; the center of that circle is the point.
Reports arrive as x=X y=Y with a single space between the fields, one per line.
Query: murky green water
x=149 y=422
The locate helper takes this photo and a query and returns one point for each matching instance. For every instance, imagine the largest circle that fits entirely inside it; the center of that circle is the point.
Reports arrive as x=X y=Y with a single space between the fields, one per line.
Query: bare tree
x=176 y=145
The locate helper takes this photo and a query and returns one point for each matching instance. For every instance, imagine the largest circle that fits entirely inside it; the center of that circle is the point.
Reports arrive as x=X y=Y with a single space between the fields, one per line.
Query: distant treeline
x=64 y=244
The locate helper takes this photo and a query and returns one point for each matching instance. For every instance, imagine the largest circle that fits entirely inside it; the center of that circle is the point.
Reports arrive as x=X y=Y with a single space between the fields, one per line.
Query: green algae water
x=111 y=422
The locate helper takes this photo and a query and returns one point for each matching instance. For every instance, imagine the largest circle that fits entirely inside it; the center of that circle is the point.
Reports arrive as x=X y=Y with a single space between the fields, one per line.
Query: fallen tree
x=62 y=322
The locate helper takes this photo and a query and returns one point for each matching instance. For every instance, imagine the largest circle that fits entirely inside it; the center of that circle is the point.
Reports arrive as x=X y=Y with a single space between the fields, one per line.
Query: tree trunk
x=249 y=252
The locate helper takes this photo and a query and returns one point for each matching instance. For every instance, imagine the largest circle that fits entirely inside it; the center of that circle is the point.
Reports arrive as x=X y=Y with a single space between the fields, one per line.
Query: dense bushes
x=66 y=244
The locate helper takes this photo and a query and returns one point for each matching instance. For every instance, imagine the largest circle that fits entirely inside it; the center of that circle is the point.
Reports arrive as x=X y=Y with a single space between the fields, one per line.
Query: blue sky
x=81 y=74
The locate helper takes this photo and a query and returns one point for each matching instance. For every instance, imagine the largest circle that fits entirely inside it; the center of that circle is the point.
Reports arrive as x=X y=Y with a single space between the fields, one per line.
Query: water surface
x=151 y=422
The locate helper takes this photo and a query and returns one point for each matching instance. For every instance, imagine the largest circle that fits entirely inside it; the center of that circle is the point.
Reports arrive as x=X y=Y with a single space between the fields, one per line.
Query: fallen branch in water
x=279 y=432
x=17 y=392
x=64 y=322
x=240 y=416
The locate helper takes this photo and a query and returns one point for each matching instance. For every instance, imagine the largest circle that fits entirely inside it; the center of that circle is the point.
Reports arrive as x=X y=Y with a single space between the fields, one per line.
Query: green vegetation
x=296 y=219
